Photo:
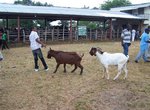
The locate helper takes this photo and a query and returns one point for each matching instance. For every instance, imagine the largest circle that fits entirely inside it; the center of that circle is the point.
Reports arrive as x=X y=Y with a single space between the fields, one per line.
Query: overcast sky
x=76 y=3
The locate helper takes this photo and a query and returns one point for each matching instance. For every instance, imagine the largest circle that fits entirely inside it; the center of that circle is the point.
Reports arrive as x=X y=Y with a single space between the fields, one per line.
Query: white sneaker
x=36 y=70
x=47 y=69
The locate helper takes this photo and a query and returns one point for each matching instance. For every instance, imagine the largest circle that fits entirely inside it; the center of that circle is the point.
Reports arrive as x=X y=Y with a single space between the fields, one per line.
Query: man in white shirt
x=133 y=34
x=36 y=45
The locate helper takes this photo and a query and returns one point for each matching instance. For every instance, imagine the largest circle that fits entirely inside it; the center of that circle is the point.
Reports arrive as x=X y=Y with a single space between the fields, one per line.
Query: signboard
x=82 y=31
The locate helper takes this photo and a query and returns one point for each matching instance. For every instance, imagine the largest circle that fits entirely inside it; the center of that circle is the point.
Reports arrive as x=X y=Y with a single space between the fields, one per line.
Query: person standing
x=143 y=46
x=133 y=34
x=4 y=40
x=126 y=39
x=35 y=45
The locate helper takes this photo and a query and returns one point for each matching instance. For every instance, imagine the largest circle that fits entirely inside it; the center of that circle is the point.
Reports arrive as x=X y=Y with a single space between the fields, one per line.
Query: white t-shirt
x=33 y=43
x=133 y=34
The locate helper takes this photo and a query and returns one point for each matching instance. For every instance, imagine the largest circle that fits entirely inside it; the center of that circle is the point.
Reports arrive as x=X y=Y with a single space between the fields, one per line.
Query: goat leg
x=64 y=68
x=107 y=72
x=56 y=68
x=104 y=72
x=126 y=71
x=75 y=67
x=119 y=71
x=81 y=67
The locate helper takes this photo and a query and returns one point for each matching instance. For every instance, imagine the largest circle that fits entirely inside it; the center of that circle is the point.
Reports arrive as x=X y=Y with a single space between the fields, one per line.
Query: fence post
x=24 y=36
x=45 y=34
x=53 y=34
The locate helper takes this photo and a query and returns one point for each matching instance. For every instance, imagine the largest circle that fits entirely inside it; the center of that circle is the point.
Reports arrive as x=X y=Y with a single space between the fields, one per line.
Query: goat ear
x=99 y=48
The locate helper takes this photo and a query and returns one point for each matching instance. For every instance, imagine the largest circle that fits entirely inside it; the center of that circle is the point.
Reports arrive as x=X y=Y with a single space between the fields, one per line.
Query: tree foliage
x=29 y=2
x=114 y=3
x=27 y=23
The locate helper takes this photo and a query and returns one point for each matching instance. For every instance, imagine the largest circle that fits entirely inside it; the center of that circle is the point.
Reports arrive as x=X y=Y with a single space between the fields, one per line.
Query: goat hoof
x=81 y=73
x=124 y=78
x=107 y=78
x=103 y=77
x=114 y=79
x=72 y=71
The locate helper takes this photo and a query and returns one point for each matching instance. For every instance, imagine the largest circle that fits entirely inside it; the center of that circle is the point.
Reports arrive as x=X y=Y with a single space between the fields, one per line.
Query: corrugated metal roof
x=22 y=9
x=132 y=7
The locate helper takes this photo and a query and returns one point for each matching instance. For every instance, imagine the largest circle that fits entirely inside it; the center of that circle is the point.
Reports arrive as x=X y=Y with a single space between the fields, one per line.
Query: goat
x=62 y=57
x=107 y=59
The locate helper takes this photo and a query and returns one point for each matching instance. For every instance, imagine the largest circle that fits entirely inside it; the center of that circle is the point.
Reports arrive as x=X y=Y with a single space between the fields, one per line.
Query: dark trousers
x=4 y=44
x=38 y=53
x=0 y=43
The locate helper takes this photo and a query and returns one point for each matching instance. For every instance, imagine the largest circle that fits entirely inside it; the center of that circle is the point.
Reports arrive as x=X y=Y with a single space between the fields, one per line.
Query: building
x=106 y=18
x=140 y=10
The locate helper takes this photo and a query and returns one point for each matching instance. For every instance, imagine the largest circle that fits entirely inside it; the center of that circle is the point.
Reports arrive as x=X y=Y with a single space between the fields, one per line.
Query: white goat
x=107 y=59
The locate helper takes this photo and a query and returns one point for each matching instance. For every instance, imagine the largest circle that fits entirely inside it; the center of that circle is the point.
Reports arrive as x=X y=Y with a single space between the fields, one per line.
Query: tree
x=29 y=2
x=114 y=3
x=24 y=2
x=28 y=23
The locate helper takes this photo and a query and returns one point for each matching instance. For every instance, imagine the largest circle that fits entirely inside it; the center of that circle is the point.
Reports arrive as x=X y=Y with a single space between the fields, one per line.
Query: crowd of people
x=128 y=36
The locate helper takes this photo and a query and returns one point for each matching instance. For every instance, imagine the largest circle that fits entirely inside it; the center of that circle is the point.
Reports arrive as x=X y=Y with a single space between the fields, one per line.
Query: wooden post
x=70 y=34
x=7 y=23
x=77 y=36
x=96 y=36
x=18 y=22
x=110 y=31
x=53 y=34
x=141 y=26
x=90 y=34
x=24 y=36
x=63 y=32
x=45 y=33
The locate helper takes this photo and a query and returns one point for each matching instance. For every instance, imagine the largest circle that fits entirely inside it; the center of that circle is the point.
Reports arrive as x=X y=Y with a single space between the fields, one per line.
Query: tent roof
x=131 y=7
x=37 y=12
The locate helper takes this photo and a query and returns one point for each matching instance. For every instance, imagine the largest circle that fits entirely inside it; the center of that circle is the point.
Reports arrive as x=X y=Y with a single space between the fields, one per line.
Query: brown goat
x=62 y=57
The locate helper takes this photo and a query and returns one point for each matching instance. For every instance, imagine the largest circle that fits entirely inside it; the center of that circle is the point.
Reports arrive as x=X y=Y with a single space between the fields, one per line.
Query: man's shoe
x=46 y=69
x=147 y=61
x=36 y=70
x=136 y=61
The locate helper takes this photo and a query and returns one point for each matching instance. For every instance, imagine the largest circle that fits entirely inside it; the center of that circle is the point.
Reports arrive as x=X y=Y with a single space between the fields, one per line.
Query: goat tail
x=82 y=55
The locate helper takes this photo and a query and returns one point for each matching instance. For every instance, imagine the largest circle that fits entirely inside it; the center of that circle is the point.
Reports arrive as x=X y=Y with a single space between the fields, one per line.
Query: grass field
x=23 y=89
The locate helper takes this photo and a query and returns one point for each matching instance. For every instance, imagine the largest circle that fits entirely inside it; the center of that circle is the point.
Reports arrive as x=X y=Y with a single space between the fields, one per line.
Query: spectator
x=143 y=46
x=36 y=45
x=148 y=27
x=133 y=34
x=126 y=39
x=4 y=40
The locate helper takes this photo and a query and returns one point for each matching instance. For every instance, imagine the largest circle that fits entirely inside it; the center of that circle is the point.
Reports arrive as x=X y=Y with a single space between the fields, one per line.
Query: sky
x=76 y=3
